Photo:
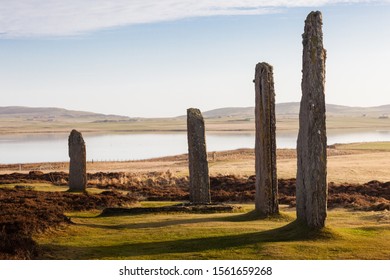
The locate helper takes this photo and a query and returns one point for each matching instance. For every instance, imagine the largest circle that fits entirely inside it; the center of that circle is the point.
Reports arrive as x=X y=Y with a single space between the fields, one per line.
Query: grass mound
x=295 y=231
x=254 y=215
x=242 y=235
x=25 y=212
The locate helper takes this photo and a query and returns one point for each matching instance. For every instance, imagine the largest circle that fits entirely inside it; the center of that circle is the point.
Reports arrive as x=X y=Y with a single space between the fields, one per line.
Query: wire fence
x=20 y=167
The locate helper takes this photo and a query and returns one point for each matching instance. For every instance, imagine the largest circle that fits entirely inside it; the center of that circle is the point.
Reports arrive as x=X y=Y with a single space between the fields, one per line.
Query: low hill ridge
x=53 y=113
x=292 y=108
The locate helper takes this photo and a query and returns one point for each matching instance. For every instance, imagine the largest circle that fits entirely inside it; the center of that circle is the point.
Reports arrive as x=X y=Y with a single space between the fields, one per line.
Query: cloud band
x=37 y=18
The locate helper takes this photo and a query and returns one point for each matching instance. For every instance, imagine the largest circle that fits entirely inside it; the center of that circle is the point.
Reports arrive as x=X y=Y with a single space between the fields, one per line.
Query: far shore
x=235 y=125
x=167 y=131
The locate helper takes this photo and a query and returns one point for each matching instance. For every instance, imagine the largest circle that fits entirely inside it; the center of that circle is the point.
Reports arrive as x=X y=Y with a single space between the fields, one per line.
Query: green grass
x=46 y=187
x=348 y=235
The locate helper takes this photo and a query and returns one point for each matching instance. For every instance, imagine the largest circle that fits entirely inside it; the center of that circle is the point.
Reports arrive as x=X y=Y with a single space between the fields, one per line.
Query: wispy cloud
x=32 y=18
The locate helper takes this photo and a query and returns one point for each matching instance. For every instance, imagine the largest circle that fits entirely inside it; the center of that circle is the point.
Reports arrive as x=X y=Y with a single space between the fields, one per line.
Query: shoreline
x=338 y=130
x=227 y=124
x=353 y=163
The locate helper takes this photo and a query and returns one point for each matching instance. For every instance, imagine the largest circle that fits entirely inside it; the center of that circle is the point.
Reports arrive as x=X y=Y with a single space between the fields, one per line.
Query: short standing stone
x=311 y=145
x=77 y=165
x=197 y=158
x=266 y=200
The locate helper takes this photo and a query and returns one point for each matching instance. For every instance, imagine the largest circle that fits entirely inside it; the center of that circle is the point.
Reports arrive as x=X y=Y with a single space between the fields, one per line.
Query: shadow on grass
x=293 y=231
x=250 y=216
x=255 y=216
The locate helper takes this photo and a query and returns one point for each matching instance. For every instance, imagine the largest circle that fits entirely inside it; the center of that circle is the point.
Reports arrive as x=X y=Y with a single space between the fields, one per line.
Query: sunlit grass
x=348 y=235
x=45 y=187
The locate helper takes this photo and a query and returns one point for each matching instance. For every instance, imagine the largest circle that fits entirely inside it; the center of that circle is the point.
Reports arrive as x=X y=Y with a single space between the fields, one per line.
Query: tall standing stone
x=312 y=188
x=197 y=158
x=78 y=164
x=266 y=200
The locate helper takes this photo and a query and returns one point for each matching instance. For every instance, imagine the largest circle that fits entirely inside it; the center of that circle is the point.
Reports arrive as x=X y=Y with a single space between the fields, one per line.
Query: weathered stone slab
x=78 y=164
x=311 y=145
x=197 y=158
x=266 y=200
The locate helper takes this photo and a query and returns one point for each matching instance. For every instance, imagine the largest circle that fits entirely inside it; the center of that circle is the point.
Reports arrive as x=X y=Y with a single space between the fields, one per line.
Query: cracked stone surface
x=311 y=145
x=266 y=199
x=197 y=158
x=78 y=164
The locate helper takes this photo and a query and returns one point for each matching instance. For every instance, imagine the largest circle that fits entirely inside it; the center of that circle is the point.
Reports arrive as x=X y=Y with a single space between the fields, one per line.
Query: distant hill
x=292 y=109
x=229 y=111
x=52 y=113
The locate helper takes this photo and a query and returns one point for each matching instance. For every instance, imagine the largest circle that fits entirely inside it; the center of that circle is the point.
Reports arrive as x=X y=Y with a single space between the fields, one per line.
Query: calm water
x=54 y=147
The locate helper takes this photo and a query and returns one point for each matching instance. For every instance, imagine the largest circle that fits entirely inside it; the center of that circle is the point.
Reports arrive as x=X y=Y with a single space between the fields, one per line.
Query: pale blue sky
x=156 y=58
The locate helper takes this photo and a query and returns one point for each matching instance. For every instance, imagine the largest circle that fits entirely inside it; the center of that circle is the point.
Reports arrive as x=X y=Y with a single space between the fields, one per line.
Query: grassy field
x=223 y=124
x=348 y=235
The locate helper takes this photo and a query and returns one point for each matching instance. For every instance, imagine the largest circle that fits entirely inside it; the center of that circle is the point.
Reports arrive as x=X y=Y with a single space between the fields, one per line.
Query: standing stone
x=266 y=200
x=78 y=164
x=312 y=188
x=197 y=158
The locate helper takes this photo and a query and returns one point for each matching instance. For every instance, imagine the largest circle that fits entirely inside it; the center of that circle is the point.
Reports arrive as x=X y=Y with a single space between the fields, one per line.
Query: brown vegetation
x=26 y=212
x=181 y=208
x=153 y=186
